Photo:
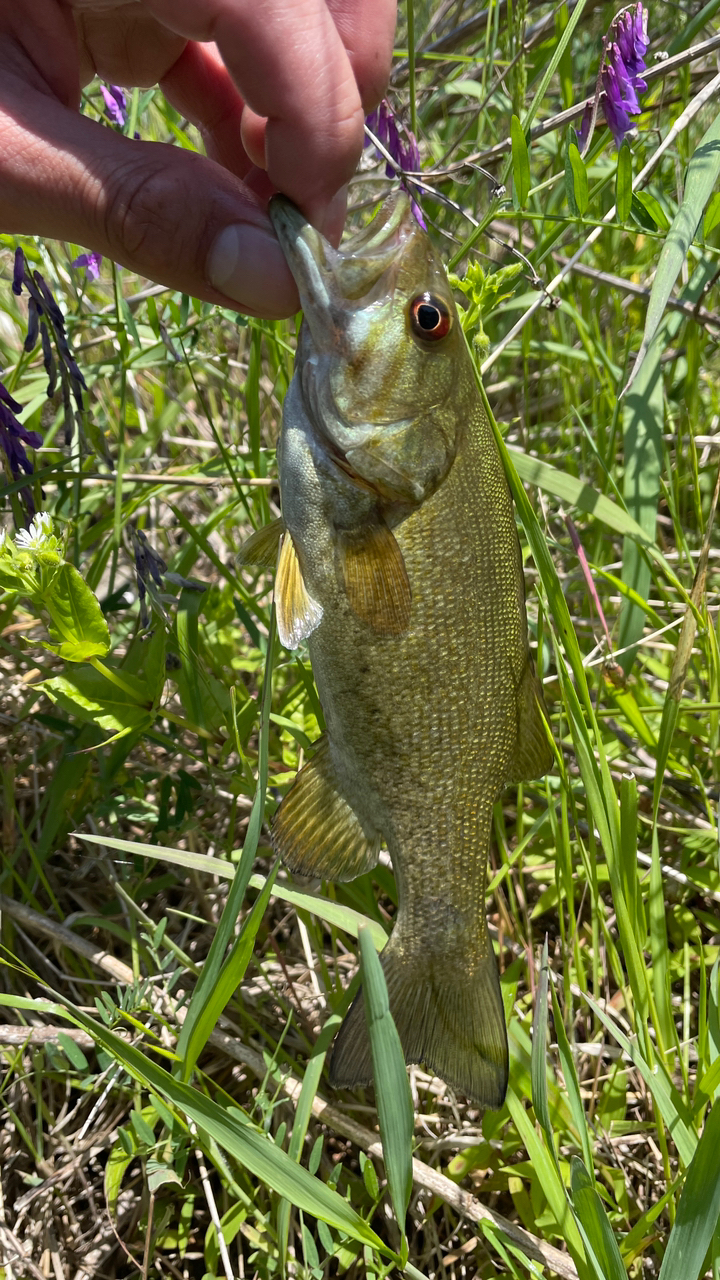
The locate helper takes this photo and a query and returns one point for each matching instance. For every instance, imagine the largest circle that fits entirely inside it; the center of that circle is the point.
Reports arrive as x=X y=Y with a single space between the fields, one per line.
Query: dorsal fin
x=533 y=754
x=297 y=613
x=261 y=548
x=376 y=580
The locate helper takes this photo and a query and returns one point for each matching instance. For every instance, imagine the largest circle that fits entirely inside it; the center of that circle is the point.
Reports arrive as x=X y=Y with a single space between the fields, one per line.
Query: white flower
x=33 y=539
x=3 y=536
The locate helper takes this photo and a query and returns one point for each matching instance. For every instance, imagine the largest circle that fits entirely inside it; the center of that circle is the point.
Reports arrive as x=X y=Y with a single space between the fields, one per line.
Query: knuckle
x=146 y=214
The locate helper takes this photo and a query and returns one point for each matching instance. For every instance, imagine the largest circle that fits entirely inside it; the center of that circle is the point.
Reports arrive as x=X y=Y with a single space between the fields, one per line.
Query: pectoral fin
x=533 y=753
x=261 y=548
x=376 y=579
x=316 y=831
x=297 y=613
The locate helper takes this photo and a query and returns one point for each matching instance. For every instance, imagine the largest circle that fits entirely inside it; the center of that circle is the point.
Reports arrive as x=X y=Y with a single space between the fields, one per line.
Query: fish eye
x=430 y=317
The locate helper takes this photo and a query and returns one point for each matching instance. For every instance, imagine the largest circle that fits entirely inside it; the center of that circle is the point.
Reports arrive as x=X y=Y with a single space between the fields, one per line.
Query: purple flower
x=91 y=262
x=13 y=439
x=400 y=143
x=46 y=319
x=149 y=570
x=621 y=77
x=115 y=103
x=614 y=109
x=620 y=80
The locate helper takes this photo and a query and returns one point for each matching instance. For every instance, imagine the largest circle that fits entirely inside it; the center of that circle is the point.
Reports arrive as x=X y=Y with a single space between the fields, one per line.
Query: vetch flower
x=400 y=143
x=115 y=103
x=46 y=318
x=91 y=263
x=14 y=437
x=620 y=79
x=149 y=570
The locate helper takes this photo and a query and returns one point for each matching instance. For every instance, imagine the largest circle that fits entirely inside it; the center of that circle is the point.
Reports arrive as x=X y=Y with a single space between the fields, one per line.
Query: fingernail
x=248 y=265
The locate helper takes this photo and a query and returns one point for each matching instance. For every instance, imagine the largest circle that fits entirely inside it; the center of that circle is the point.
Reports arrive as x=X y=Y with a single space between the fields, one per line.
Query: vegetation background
x=169 y=993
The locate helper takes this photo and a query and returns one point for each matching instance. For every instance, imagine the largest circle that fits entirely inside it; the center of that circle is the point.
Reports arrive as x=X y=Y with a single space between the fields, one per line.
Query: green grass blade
x=210 y=995
x=335 y=913
x=392 y=1088
x=698 y=1209
x=593 y=1219
x=538 y=1060
x=700 y=182
x=232 y=1131
x=572 y=1084
x=666 y=1097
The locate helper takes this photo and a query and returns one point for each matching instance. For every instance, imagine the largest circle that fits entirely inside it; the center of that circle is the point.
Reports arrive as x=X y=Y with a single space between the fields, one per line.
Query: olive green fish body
x=431 y=703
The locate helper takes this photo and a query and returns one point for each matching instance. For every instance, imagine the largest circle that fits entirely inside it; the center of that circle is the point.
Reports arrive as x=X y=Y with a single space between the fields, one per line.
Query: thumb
x=170 y=215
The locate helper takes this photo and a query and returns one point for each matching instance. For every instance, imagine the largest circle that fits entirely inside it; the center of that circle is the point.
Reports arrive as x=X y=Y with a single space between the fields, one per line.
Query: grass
x=169 y=994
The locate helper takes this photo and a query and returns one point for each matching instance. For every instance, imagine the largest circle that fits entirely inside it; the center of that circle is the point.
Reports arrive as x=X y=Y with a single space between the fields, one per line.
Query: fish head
x=380 y=351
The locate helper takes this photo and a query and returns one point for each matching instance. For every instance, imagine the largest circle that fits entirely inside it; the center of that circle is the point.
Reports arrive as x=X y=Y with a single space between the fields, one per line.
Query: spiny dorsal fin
x=376 y=579
x=297 y=613
x=261 y=548
x=533 y=754
x=316 y=832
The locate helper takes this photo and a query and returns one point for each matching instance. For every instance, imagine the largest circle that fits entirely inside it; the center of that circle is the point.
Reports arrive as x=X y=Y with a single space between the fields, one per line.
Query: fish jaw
x=380 y=400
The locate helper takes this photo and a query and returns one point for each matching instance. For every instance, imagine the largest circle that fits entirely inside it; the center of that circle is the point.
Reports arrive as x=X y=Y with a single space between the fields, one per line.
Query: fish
x=400 y=565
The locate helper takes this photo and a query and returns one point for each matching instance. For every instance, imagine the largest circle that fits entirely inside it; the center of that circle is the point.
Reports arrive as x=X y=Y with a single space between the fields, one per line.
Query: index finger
x=291 y=66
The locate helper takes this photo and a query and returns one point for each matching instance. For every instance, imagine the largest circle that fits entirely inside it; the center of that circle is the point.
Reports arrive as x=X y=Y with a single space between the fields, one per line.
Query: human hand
x=278 y=89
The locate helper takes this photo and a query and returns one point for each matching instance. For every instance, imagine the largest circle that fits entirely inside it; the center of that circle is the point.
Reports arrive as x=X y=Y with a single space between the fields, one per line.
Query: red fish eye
x=429 y=317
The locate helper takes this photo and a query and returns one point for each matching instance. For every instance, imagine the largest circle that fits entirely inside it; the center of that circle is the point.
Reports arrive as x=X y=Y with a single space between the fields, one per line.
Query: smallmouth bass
x=400 y=564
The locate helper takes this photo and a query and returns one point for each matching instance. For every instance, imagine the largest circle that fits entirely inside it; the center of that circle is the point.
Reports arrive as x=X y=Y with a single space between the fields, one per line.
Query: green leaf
x=72 y=1050
x=548 y=1176
x=77 y=619
x=392 y=1088
x=85 y=693
x=590 y=1212
x=623 y=183
x=520 y=162
x=142 y=1129
x=702 y=176
x=712 y=214
x=159 y=1175
x=649 y=212
x=698 y=1209
x=118 y=1163
x=578 y=179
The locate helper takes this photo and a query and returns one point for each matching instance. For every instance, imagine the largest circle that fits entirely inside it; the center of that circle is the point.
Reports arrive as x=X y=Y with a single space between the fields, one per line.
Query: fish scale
x=400 y=565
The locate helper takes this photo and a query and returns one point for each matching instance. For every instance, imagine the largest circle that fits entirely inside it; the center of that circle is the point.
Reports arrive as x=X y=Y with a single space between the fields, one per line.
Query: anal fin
x=297 y=613
x=533 y=754
x=376 y=580
x=316 y=831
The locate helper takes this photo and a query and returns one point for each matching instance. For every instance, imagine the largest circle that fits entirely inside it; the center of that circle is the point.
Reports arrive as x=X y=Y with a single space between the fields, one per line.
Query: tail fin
x=451 y=1021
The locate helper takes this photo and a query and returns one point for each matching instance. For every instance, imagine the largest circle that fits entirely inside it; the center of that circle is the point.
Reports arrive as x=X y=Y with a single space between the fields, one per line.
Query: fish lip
x=309 y=257
x=334 y=282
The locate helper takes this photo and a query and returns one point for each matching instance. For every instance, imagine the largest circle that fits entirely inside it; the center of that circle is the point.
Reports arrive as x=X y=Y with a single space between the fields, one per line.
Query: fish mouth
x=333 y=281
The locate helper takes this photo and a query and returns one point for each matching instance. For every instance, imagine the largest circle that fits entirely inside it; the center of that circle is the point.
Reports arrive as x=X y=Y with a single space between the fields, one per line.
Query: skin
x=278 y=89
